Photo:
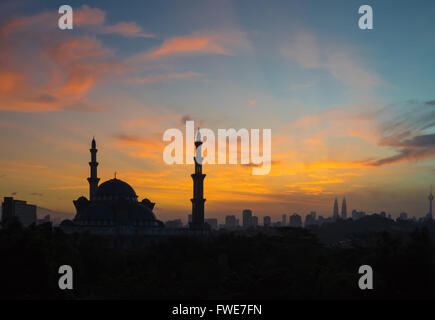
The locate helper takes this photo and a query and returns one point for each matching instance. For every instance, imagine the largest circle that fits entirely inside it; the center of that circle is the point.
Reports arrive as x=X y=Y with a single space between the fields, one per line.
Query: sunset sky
x=352 y=111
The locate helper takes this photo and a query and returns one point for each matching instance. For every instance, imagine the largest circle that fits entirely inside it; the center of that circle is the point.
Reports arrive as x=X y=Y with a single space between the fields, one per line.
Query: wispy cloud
x=95 y=19
x=188 y=44
x=199 y=43
x=340 y=61
x=409 y=132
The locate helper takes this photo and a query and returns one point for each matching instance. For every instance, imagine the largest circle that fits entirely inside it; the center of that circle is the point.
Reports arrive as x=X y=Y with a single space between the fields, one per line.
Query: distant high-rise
x=344 y=209
x=295 y=221
x=335 y=212
x=284 y=220
x=403 y=216
x=247 y=217
x=198 y=188
x=230 y=222
x=267 y=221
x=26 y=213
x=212 y=222
x=358 y=214
x=174 y=224
x=254 y=221
x=429 y=215
x=310 y=219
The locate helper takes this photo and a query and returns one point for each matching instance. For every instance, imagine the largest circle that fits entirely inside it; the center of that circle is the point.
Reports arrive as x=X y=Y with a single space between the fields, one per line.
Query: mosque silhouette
x=113 y=209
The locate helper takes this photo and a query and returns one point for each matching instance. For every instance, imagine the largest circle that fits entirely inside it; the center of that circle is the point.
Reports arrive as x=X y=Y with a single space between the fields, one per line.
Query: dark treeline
x=291 y=264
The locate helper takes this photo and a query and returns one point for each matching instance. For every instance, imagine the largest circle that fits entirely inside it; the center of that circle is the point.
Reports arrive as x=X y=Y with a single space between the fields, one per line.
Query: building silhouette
x=114 y=210
x=310 y=219
x=93 y=179
x=357 y=214
x=267 y=221
x=246 y=218
x=26 y=213
x=46 y=219
x=344 y=209
x=198 y=188
x=254 y=221
x=335 y=211
x=174 y=224
x=403 y=216
x=295 y=221
x=284 y=220
x=212 y=222
x=230 y=222
x=112 y=206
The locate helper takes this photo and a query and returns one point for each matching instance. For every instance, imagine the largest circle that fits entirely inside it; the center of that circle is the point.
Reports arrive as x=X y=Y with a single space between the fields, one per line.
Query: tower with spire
x=198 y=188
x=93 y=179
x=344 y=209
x=335 y=213
x=429 y=215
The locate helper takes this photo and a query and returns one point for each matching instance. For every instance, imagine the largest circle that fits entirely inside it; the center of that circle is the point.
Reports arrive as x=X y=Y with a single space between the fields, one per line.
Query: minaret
x=335 y=213
x=344 y=209
x=93 y=179
x=198 y=188
x=429 y=215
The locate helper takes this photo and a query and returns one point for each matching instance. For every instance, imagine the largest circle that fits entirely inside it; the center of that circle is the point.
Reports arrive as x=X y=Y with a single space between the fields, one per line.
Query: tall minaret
x=344 y=209
x=93 y=179
x=335 y=213
x=429 y=215
x=198 y=188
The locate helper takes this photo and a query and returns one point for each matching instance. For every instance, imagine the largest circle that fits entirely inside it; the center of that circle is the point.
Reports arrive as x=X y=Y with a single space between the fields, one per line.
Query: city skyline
x=348 y=118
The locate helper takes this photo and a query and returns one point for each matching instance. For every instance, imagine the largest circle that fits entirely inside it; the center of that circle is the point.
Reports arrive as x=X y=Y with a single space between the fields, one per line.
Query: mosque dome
x=115 y=189
x=116 y=204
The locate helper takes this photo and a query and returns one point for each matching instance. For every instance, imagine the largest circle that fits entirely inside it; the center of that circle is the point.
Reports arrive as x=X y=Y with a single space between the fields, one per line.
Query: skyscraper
x=344 y=209
x=93 y=179
x=335 y=213
x=198 y=188
x=267 y=221
x=230 y=222
x=254 y=221
x=247 y=217
x=310 y=219
x=295 y=221
x=284 y=219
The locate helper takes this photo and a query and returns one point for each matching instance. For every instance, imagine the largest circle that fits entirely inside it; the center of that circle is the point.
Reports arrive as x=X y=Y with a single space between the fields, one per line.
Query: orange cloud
x=21 y=165
x=337 y=165
x=127 y=29
x=9 y=82
x=188 y=44
x=70 y=187
x=47 y=70
x=70 y=68
x=145 y=147
x=224 y=43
